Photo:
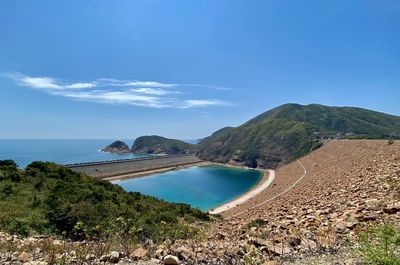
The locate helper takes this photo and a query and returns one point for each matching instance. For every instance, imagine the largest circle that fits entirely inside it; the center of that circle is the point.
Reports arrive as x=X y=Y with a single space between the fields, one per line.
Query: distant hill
x=291 y=131
x=160 y=145
x=117 y=147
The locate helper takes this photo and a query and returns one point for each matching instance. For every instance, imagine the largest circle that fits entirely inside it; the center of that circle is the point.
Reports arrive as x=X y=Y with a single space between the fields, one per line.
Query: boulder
x=171 y=260
x=139 y=253
x=392 y=209
x=114 y=257
x=23 y=257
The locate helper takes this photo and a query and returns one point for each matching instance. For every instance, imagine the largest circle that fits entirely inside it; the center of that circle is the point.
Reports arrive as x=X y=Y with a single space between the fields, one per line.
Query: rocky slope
x=118 y=147
x=287 y=132
x=160 y=145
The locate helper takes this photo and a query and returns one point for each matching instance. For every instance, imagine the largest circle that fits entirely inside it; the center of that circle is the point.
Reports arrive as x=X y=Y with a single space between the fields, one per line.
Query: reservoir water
x=204 y=187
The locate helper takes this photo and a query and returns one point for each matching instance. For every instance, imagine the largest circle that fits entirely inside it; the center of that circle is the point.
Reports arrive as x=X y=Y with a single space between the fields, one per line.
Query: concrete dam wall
x=107 y=169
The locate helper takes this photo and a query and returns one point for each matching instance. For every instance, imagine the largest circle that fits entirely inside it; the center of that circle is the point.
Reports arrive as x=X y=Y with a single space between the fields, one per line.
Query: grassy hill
x=160 y=145
x=291 y=131
x=46 y=198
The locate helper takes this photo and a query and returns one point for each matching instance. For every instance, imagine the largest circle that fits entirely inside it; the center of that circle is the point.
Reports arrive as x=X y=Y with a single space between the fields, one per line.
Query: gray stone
x=170 y=260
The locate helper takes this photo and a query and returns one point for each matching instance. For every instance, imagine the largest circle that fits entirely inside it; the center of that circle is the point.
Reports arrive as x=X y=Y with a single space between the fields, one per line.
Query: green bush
x=48 y=198
x=257 y=223
x=19 y=226
x=381 y=245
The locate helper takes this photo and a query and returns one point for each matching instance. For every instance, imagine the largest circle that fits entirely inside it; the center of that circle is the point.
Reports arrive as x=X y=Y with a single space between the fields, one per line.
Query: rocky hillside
x=280 y=135
x=118 y=147
x=160 y=145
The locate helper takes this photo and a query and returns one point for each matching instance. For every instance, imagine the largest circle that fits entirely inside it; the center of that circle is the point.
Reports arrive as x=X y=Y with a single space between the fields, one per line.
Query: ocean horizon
x=60 y=151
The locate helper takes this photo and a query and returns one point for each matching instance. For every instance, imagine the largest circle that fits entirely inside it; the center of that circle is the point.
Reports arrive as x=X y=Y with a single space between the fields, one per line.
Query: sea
x=203 y=187
x=23 y=152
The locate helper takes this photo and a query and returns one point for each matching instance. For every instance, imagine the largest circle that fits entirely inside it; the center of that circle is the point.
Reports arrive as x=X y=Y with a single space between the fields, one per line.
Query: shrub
x=19 y=226
x=257 y=223
x=381 y=245
x=8 y=163
x=390 y=141
x=48 y=198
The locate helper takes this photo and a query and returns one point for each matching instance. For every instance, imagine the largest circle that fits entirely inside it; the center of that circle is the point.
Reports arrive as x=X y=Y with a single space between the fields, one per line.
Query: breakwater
x=106 y=169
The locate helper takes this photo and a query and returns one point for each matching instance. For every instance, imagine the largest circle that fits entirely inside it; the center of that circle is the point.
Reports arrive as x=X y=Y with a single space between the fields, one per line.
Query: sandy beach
x=268 y=178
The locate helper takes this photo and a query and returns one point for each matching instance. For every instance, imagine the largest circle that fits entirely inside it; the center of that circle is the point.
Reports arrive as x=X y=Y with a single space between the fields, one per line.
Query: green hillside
x=46 y=198
x=291 y=131
x=160 y=145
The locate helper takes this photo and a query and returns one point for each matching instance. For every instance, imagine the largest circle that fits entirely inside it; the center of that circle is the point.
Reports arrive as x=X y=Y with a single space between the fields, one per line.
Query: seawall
x=107 y=169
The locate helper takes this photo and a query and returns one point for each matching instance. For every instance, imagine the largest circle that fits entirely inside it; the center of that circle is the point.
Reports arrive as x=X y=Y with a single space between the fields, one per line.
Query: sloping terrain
x=349 y=185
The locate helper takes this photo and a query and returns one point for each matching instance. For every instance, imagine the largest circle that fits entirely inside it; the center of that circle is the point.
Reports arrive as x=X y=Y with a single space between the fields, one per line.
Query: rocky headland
x=118 y=147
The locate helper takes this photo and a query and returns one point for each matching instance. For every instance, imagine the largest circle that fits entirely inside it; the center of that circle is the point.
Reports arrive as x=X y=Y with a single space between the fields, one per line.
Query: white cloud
x=114 y=91
x=40 y=82
x=135 y=83
x=116 y=97
x=154 y=91
x=45 y=82
x=191 y=103
x=81 y=85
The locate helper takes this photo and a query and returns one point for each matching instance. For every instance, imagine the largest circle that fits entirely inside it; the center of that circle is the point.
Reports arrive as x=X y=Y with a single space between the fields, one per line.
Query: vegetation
x=290 y=131
x=157 y=144
x=381 y=245
x=46 y=198
x=117 y=147
x=256 y=223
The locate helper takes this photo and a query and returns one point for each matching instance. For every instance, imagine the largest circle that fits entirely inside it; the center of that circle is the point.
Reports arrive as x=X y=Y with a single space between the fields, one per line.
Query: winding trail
x=274 y=197
x=247 y=196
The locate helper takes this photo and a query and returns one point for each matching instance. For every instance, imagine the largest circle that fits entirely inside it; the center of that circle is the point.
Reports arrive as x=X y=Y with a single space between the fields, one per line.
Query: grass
x=380 y=245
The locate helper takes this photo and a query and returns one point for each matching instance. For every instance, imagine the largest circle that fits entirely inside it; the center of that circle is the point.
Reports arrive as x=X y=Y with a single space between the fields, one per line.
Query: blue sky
x=183 y=69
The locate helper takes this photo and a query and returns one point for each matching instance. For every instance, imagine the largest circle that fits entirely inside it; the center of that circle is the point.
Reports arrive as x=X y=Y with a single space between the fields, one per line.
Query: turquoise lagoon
x=203 y=187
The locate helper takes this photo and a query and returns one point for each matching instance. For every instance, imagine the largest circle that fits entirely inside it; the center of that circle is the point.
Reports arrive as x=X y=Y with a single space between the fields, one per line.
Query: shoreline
x=264 y=183
x=267 y=178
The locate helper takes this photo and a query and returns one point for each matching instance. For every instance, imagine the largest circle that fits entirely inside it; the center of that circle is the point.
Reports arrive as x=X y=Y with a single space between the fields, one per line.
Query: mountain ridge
x=290 y=131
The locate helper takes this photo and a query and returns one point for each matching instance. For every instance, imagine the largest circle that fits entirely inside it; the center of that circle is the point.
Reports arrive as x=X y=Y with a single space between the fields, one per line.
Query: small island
x=118 y=147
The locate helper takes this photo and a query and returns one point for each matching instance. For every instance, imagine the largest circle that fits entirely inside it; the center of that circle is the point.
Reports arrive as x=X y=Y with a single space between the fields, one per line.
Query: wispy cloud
x=45 y=82
x=153 y=91
x=113 y=91
x=191 y=103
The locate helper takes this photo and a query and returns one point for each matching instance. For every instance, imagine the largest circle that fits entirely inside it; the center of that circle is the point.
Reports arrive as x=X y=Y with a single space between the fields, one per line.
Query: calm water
x=202 y=187
x=60 y=151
